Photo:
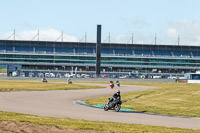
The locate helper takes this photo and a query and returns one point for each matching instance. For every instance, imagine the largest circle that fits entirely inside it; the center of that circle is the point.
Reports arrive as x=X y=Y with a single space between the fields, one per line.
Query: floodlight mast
x=14 y=34
x=109 y=37
x=85 y=37
x=178 y=39
x=61 y=36
x=132 y=38
x=38 y=35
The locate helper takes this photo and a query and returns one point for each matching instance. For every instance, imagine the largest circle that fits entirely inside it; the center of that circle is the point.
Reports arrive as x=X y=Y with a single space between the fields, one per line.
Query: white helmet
x=118 y=91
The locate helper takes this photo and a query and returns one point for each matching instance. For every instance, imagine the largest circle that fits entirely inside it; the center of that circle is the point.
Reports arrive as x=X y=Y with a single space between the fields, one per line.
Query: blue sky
x=144 y=18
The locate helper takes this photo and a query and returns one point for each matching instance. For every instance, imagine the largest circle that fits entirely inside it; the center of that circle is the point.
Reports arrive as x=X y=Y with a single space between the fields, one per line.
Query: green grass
x=170 y=93
x=89 y=125
x=15 y=85
x=177 y=99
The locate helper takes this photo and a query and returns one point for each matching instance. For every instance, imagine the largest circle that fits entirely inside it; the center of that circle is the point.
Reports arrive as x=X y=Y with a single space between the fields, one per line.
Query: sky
x=144 y=19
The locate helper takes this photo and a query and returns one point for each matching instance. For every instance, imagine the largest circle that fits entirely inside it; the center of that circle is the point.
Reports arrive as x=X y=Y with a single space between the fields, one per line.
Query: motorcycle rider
x=69 y=81
x=44 y=79
x=116 y=97
x=118 y=84
x=111 y=84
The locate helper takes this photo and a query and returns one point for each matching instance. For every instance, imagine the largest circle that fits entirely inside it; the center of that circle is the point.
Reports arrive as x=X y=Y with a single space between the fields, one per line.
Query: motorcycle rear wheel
x=117 y=107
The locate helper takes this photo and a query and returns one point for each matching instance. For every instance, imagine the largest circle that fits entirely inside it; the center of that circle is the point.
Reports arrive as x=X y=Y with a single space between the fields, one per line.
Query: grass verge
x=89 y=125
x=176 y=99
x=81 y=124
x=15 y=85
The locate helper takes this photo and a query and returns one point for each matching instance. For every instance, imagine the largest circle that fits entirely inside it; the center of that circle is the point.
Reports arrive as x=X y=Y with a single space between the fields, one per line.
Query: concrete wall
x=193 y=81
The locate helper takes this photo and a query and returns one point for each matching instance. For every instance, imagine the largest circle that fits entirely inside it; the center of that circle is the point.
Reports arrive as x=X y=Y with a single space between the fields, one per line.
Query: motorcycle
x=44 y=80
x=115 y=104
x=69 y=82
x=118 y=84
x=111 y=85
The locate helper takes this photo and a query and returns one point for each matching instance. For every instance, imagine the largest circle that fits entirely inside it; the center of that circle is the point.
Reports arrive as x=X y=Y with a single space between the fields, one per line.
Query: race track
x=61 y=104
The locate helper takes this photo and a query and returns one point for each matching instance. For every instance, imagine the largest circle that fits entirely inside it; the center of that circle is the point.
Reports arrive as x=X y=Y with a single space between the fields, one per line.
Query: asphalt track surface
x=61 y=103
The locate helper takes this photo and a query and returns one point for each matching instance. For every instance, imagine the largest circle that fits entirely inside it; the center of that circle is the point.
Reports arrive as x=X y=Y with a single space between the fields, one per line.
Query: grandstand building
x=42 y=56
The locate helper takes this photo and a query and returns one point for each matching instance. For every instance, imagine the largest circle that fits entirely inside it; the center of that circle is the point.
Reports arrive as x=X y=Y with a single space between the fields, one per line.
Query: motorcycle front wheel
x=106 y=106
x=117 y=107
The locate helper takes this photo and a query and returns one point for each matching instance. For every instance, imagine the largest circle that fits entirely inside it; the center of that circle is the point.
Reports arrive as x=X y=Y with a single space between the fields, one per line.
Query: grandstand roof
x=50 y=43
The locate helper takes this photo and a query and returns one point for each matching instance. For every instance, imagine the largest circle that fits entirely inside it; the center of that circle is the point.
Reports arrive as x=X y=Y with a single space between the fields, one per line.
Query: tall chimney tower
x=98 y=51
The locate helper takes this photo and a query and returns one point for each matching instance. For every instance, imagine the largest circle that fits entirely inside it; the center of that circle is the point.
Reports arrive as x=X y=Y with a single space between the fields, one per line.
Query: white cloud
x=172 y=33
x=135 y=24
x=122 y=39
x=140 y=23
x=189 y=31
x=44 y=35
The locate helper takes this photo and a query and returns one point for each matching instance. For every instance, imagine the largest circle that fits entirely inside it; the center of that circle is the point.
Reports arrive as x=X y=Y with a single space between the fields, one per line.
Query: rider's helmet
x=118 y=92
